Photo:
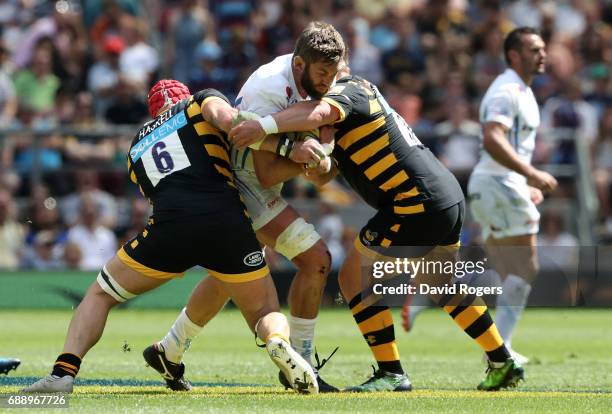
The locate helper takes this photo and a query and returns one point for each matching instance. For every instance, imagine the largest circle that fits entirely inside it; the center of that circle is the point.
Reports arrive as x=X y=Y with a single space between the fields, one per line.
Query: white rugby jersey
x=271 y=88
x=510 y=102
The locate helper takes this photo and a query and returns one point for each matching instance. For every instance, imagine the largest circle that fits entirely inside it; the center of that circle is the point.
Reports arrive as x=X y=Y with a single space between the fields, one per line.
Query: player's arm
x=302 y=116
x=218 y=112
x=496 y=143
x=271 y=169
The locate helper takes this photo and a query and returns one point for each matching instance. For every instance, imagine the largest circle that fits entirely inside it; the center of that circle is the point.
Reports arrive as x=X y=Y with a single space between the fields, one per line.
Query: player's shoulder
x=350 y=86
x=275 y=73
x=204 y=94
x=507 y=82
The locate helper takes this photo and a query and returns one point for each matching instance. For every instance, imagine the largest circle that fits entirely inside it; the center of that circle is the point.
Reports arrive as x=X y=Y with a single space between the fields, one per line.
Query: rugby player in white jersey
x=504 y=187
x=307 y=73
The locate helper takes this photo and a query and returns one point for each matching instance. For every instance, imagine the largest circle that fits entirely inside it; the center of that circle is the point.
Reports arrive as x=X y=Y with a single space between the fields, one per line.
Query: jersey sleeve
x=499 y=108
x=342 y=96
x=263 y=97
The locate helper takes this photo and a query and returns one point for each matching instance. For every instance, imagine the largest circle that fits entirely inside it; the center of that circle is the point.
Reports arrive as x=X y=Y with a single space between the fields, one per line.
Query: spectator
x=36 y=88
x=45 y=253
x=108 y=23
x=139 y=61
x=190 y=24
x=364 y=58
x=87 y=184
x=128 y=106
x=557 y=249
x=461 y=139
x=571 y=111
x=72 y=256
x=11 y=233
x=96 y=242
x=103 y=76
x=208 y=73
x=602 y=154
x=8 y=98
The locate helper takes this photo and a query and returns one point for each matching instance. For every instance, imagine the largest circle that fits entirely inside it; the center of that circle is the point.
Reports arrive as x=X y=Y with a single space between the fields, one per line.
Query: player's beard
x=308 y=84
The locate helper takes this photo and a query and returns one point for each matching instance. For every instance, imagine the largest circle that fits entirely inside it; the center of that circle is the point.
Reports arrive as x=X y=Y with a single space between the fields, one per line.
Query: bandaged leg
x=110 y=286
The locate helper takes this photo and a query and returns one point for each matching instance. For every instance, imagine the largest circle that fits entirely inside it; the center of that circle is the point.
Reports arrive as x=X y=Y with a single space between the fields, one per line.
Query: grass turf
x=570 y=351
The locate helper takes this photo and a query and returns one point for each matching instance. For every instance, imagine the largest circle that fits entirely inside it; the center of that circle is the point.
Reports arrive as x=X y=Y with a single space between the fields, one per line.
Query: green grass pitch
x=571 y=351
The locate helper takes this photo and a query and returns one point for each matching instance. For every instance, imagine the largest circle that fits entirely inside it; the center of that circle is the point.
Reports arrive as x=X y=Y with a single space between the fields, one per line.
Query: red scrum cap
x=166 y=91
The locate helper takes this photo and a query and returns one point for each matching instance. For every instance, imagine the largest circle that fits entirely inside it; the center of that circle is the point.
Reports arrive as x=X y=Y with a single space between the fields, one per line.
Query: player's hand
x=536 y=195
x=322 y=168
x=309 y=152
x=246 y=133
x=542 y=180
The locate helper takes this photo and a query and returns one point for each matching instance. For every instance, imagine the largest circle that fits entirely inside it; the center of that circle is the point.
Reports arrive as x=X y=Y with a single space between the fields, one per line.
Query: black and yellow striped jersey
x=380 y=156
x=181 y=162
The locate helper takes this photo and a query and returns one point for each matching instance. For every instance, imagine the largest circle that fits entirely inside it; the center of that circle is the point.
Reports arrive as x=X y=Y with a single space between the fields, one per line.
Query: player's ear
x=299 y=63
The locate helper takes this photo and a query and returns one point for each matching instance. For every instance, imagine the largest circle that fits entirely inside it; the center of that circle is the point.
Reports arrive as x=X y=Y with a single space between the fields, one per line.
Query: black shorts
x=225 y=245
x=412 y=235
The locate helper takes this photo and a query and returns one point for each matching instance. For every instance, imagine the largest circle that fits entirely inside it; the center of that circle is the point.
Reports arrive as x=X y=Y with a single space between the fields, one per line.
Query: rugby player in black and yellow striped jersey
x=180 y=160
x=420 y=209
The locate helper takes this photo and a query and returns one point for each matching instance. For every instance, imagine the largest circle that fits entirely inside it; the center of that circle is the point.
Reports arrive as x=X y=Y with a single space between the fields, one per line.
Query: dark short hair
x=514 y=40
x=318 y=42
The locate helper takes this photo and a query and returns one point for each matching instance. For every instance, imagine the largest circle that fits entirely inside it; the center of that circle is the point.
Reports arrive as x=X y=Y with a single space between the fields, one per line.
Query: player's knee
x=316 y=260
x=111 y=287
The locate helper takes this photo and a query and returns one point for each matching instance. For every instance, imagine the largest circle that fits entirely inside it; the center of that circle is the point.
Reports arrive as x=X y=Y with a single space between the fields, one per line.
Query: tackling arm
x=219 y=113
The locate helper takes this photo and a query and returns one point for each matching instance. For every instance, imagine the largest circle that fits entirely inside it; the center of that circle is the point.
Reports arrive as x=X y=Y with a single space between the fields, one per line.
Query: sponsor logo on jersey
x=158 y=132
x=253 y=259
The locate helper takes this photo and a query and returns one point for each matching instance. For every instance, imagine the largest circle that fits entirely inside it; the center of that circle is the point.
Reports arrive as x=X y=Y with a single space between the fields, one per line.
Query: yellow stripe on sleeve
x=204 y=128
x=356 y=134
x=337 y=106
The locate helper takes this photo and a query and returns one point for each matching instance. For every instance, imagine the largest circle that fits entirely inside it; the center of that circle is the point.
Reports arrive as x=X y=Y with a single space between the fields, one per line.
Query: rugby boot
x=171 y=373
x=299 y=374
x=51 y=384
x=7 y=364
x=323 y=386
x=383 y=381
x=502 y=375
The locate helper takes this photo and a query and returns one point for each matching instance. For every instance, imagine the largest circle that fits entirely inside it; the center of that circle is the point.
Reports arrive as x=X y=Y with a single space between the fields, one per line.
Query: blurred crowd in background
x=88 y=64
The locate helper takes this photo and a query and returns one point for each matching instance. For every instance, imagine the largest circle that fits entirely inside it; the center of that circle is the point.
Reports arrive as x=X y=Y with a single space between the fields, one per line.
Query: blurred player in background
x=420 y=209
x=505 y=188
x=180 y=161
x=307 y=73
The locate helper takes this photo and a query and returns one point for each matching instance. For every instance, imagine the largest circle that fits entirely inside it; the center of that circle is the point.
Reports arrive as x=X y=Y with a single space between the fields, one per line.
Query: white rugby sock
x=178 y=339
x=510 y=305
x=302 y=336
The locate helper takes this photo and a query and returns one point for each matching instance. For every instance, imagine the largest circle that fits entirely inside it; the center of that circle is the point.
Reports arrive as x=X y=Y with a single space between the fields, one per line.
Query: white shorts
x=263 y=204
x=502 y=207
